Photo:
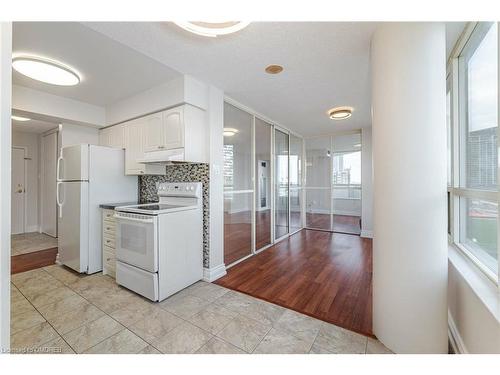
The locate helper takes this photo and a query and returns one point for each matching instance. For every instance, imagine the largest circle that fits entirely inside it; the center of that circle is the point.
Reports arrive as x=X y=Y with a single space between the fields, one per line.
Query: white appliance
x=159 y=246
x=87 y=176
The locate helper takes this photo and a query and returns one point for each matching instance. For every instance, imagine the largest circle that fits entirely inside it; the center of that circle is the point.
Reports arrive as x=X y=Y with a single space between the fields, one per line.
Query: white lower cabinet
x=108 y=243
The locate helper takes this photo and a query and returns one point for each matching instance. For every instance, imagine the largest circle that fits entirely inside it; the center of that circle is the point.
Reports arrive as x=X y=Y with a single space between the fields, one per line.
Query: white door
x=48 y=205
x=18 y=190
x=173 y=128
x=73 y=198
x=153 y=132
x=134 y=148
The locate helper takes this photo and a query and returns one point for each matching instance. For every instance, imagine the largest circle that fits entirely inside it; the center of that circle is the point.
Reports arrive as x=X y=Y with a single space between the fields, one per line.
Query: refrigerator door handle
x=58 y=168
x=59 y=202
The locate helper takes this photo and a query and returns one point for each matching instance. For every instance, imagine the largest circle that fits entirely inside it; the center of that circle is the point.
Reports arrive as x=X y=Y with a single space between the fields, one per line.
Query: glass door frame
x=330 y=173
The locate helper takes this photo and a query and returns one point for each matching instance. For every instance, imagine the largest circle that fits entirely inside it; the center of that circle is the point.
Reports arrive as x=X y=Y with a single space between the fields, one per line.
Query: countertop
x=112 y=206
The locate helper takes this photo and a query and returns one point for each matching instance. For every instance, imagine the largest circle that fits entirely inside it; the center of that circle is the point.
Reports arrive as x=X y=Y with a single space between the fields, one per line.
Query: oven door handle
x=147 y=221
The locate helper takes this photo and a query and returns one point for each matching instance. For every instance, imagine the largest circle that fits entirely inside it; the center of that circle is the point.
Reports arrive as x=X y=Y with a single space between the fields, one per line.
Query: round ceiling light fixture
x=340 y=113
x=212 y=29
x=46 y=70
x=229 y=132
x=19 y=118
x=274 y=69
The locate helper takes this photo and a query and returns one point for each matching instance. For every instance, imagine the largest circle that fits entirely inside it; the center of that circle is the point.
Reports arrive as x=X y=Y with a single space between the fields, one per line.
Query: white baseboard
x=367 y=233
x=214 y=273
x=456 y=341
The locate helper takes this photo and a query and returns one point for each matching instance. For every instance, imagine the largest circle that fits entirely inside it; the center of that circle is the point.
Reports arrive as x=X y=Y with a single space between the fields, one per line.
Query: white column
x=5 y=156
x=409 y=156
x=216 y=267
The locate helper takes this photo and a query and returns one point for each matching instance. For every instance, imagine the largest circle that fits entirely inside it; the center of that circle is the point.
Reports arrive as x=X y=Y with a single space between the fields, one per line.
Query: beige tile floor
x=30 y=242
x=54 y=310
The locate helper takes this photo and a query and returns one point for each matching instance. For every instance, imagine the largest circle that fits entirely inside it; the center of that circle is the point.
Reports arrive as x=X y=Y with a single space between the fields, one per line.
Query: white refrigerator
x=87 y=176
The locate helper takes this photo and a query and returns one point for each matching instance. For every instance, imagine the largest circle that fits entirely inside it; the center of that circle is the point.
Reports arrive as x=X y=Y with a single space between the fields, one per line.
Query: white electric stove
x=159 y=246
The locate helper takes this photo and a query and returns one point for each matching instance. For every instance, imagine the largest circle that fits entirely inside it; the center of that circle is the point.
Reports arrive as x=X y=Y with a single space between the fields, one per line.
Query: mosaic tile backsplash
x=148 y=187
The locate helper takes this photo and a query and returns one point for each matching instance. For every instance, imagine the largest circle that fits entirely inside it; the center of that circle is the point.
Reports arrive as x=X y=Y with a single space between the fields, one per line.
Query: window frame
x=458 y=118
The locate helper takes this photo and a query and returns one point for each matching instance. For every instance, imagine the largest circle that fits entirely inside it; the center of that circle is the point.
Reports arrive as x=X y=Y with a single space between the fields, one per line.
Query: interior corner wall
x=366 y=183
x=31 y=141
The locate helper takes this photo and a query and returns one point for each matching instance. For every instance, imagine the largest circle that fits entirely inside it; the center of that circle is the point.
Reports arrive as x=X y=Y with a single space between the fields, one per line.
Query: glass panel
x=318 y=208
x=480 y=84
x=346 y=180
x=263 y=183
x=281 y=181
x=237 y=177
x=295 y=183
x=478 y=222
x=237 y=226
x=318 y=183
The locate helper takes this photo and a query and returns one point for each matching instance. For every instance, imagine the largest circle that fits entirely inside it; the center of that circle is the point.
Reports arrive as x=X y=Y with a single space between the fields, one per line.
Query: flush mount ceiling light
x=229 y=132
x=19 y=118
x=46 y=70
x=212 y=29
x=274 y=69
x=340 y=113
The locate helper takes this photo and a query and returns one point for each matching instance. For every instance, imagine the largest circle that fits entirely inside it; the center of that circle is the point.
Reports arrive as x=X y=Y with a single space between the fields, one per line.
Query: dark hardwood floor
x=325 y=275
x=31 y=261
x=340 y=223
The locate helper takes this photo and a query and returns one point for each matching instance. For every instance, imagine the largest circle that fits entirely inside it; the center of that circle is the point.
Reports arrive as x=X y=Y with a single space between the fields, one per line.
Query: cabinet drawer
x=109 y=228
x=109 y=240
x=109 y=257
x=110 y=250
x=108 y=215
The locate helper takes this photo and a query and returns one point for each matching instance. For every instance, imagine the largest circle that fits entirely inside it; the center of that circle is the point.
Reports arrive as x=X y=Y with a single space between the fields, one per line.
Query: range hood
x=173 y=156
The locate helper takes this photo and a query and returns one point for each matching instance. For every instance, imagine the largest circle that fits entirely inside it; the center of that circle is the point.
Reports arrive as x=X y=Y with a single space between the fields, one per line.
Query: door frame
x=25 y=200
x=42 y=176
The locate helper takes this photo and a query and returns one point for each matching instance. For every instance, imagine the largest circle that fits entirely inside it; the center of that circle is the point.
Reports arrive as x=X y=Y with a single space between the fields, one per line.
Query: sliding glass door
x=318 y=183
x=238 y=184
x=333 y=183
x=281 y=180
x=262 y=184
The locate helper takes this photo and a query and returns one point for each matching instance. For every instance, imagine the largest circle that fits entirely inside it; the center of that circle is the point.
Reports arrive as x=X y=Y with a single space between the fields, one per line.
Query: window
x=473 y=184
x=347 y=175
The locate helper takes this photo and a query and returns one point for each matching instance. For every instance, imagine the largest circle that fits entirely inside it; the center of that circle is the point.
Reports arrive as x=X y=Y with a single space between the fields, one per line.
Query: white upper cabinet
x=164 y=130
x=173 y=128
x=153 y=132
x=112 y=136
x=134 y=150
x=178 y=134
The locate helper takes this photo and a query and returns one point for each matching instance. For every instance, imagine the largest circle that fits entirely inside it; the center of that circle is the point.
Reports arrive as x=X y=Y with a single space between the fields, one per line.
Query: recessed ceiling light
x=229 y=132
x=340 y=113
x=212 y=29
x=19 y=118
x=46 y=70
x=274 y=69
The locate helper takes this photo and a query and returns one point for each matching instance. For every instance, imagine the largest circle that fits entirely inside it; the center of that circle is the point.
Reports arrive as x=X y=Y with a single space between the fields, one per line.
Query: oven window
x=134 y=238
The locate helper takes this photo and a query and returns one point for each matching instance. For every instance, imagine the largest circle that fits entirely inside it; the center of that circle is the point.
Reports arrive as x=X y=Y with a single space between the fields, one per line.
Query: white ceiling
x=33 y=126
x=110 y=71
x=326 y=64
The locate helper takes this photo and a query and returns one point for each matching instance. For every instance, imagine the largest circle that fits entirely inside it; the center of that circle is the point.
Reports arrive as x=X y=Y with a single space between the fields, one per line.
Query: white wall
x=71 y=134
x=473 y=307
x=56 y=108
x=32 y=143
x=5 y=163
x=181 y=90
x=366 y=183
